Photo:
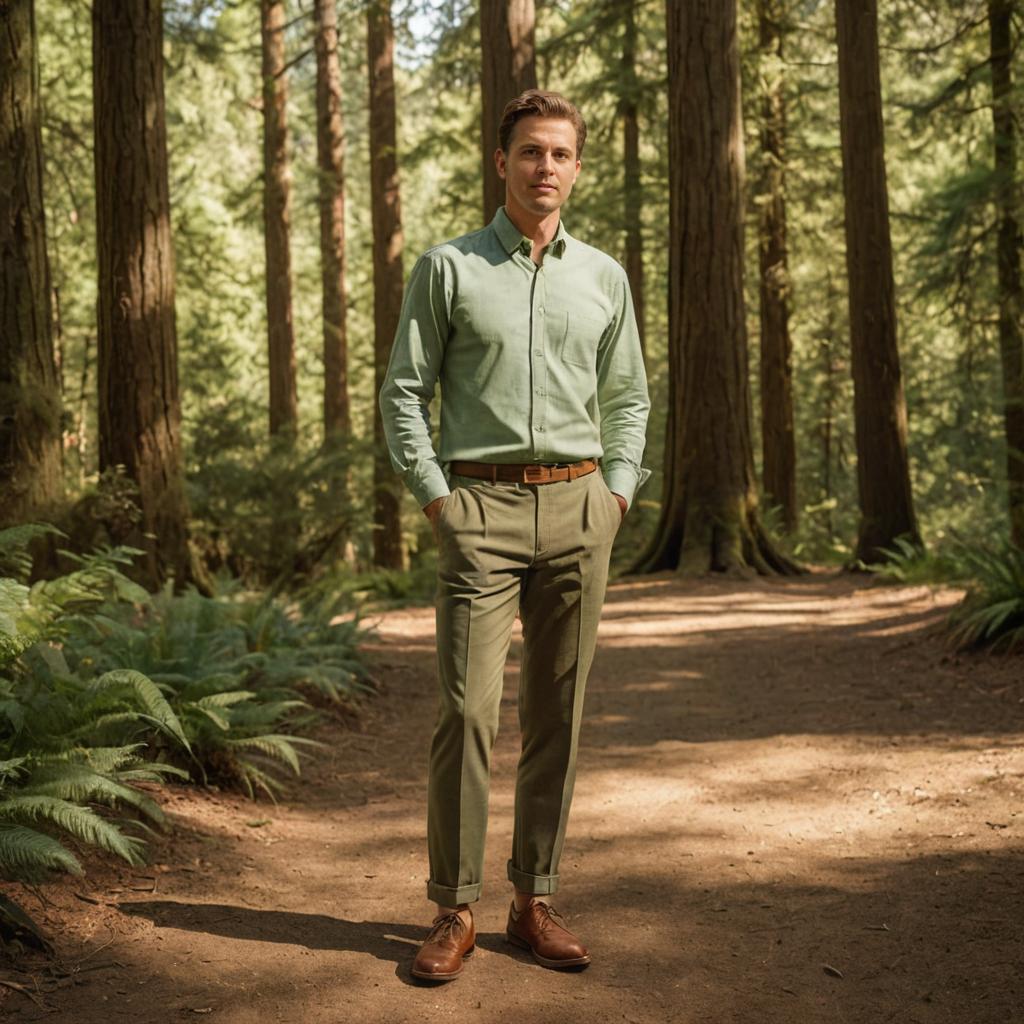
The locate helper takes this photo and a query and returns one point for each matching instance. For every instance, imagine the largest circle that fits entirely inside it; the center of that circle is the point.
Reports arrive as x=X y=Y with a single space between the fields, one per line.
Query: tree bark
x=1008 y=246
x=778 y=444
x=880 y=412
x=30 y=401
x=508 y=68
x=330 y=139
x=709 y=515
x=277 y=205
x=632 y=178
x=387 y=267
x=137 y=349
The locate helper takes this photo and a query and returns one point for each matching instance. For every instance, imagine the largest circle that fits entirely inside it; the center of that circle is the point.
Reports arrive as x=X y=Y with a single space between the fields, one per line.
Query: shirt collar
x=512 y=238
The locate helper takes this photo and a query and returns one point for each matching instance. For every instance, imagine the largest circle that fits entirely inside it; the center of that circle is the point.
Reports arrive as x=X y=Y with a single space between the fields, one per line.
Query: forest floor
x=794 y=804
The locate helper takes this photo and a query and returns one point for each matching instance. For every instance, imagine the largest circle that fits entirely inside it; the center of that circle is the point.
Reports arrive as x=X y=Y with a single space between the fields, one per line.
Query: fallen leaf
x=834 y=971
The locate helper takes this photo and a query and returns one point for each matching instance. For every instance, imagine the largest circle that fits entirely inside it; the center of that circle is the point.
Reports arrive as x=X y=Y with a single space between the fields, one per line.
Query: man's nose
x=546 y=163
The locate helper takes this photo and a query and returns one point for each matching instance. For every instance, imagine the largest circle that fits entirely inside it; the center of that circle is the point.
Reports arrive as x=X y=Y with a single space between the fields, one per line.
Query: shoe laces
x=445 y=927
x=549 y=916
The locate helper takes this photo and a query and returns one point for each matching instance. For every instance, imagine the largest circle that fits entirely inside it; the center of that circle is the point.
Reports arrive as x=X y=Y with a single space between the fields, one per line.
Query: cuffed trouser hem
x=446 y=896
x=536 y=885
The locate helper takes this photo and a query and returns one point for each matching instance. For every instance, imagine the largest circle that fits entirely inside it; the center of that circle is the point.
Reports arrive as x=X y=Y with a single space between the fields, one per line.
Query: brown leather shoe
x=449 y=943
x=541 y=929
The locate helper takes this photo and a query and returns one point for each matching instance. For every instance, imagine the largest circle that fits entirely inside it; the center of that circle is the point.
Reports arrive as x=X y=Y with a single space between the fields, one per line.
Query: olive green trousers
x=540 y=550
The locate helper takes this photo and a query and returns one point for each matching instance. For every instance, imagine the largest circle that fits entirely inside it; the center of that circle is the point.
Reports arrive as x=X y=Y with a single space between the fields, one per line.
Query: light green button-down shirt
x=537 y=363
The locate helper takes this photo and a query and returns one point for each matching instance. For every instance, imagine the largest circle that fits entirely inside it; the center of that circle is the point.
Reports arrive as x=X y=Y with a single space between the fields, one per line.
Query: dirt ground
x=793 y=805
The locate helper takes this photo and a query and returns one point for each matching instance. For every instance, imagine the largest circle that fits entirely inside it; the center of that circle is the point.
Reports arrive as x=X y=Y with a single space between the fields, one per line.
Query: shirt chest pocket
x=576 y=338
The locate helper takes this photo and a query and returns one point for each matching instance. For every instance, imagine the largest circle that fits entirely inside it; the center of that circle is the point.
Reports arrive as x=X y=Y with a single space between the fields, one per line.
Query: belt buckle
x=534 y=474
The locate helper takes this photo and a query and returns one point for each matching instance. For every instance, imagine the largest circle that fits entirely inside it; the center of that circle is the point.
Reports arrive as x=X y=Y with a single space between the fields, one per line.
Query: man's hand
x=623 y=504
x=432 y=511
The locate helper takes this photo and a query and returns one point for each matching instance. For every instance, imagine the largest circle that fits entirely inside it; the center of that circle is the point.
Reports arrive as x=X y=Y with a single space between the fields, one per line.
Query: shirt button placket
x=540 y=382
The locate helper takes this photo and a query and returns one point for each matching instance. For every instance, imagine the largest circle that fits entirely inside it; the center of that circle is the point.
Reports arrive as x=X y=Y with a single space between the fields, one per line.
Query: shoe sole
x=428 y=976
x=557 y=965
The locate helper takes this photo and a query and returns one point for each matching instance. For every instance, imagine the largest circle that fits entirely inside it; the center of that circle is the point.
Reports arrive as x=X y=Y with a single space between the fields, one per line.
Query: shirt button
x=540 y=428
x=538 y=351
x=541 y=310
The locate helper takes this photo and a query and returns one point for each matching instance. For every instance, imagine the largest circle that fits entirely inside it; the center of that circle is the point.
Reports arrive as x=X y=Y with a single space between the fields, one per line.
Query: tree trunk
x=277 y=204
x=1011 y=307
x=330 y=139
x=827 y=350
x=709 y=505
x=30 y=404
x=632 y=177
x=507 y=69
x=778 y=444
x=387 y=267
x=880 y=412
x=137 y=350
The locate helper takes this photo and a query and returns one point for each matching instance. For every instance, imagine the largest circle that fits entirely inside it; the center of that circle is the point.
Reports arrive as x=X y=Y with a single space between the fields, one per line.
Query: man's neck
x=539 y=230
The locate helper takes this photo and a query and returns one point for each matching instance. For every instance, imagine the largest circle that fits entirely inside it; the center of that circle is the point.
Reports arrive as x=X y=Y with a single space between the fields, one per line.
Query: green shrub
x=236 y=670
x=992 y=613
x=67 y=740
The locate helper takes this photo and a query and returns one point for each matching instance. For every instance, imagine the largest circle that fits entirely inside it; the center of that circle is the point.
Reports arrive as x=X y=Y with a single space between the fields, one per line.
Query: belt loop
x=494 y=472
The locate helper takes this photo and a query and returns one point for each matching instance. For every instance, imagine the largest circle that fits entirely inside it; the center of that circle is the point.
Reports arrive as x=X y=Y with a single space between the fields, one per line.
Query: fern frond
x=271 y=745
x=12 y=768
x=80 y=784
x=25 y=854
x=225 y=699
x=15 y=559
x=80 y=822
x=149 y=696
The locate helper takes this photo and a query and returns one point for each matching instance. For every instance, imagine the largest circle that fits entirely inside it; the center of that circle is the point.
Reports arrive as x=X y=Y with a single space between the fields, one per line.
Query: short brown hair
x=540 y=103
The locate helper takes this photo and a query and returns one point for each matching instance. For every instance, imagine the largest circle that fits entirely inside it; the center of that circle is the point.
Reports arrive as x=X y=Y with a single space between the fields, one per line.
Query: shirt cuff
x=427 y=484
x=625 y=480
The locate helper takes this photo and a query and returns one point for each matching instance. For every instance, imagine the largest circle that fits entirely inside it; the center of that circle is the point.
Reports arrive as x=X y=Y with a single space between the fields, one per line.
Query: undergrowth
x=104 y=686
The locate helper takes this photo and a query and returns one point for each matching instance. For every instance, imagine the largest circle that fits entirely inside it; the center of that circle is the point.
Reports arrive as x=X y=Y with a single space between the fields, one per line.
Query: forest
x=208 y=210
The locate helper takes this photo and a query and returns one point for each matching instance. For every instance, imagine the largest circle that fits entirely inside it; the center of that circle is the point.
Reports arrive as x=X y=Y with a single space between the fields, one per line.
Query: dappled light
x=783 y=813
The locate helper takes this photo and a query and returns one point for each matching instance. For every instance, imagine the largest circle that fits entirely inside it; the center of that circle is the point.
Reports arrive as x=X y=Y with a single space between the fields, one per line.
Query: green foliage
x=992 y=613
x=236 y=672
x=54 y=723
x=907 y=562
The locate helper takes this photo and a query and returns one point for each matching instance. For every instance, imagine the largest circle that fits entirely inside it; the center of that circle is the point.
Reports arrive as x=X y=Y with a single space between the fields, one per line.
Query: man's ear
x=499 y=162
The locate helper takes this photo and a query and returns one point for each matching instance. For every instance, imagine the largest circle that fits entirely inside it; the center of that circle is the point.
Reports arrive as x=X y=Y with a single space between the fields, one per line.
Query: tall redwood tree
x=277 y=207
x=508 y=67
x=137 y=353
x=778 y=442
x=1008 y=246
x=632 y=170
x=330 y=139
x=880 y=411
x=30 y=402
x=708 y=515
x=387 y=267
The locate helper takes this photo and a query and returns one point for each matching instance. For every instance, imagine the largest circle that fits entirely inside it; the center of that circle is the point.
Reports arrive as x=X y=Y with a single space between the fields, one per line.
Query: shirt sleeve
x=413 y=368
x=622 y=399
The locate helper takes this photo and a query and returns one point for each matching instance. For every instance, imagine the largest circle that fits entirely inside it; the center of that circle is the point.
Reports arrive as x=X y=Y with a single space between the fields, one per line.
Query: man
x=532 y=337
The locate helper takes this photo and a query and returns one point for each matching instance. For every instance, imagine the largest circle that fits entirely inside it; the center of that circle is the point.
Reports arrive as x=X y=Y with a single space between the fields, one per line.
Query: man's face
x=540 y=166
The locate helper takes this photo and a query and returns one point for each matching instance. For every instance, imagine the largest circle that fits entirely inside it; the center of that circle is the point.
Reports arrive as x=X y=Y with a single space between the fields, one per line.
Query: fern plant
x=44 y=802
x=67 y=739
x=992 y=613
x=233 y=670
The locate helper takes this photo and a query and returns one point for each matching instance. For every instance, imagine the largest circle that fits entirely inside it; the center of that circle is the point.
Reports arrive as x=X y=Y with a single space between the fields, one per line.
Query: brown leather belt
x=523 y=473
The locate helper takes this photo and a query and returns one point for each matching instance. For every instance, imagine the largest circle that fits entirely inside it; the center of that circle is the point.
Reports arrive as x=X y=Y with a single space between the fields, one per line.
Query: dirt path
x=792 y=806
